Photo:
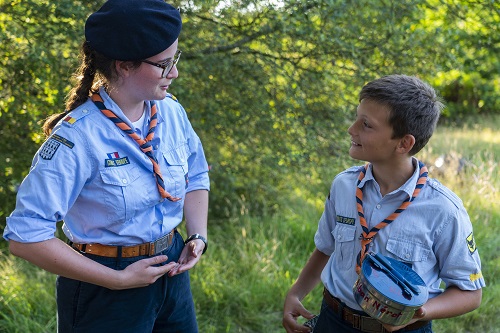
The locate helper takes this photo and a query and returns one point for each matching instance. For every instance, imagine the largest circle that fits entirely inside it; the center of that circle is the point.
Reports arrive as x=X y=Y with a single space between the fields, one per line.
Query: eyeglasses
x=166 y=65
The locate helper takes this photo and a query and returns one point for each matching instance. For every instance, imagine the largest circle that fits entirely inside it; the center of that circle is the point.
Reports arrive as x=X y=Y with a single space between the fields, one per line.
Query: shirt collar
x=408 y=186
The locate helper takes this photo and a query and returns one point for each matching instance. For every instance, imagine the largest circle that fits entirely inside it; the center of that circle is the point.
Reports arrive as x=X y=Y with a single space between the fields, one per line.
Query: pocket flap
x=344 y=233
x=408 y=250
x=177 y=156
x=122 y=176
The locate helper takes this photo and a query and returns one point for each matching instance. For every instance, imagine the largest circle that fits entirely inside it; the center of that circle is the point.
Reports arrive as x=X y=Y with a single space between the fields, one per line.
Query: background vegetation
x=270 y=87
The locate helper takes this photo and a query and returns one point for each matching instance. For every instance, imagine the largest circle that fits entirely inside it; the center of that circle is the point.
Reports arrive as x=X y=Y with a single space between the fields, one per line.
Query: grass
x=240 y=284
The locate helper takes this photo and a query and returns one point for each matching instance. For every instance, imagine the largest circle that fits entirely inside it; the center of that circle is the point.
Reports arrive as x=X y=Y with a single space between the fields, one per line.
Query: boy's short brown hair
x=415 y=106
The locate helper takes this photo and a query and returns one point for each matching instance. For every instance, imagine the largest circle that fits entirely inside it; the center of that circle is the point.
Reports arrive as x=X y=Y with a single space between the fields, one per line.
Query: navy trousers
x=165 y=306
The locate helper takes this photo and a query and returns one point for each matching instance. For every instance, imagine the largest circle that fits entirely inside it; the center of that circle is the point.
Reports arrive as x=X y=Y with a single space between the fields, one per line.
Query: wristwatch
x=198 y=236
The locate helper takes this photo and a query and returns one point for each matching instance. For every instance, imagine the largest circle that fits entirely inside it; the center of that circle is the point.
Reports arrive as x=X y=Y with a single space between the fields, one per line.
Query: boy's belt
x=113 y=251
x=360 y=322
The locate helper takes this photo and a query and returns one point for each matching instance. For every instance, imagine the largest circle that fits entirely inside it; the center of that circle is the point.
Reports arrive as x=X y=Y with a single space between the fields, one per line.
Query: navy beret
x=133 y=29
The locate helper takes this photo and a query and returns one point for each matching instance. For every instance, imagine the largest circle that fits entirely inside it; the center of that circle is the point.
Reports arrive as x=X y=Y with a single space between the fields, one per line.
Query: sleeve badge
x=50 y=146
x=471 y=243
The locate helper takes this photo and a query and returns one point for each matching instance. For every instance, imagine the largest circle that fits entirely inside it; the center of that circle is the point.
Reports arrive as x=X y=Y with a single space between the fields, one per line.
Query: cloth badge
x=50 y=146
x=114 y=160
x=471 y=243
x=345 y=220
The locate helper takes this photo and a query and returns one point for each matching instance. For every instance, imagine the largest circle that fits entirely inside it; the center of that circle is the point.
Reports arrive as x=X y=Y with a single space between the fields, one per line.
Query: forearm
x=57 y=257
x=310 y=275
x=451 y=303
x=196 y=212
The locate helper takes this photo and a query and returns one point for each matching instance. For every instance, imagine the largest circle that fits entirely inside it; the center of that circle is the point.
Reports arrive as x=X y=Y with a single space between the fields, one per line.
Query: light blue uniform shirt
x=93 y=176
x=434 y=234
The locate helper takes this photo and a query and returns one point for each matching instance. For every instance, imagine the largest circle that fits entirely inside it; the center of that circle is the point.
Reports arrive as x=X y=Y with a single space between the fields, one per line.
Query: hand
x=419 y=314
x=292 y=310
x=144 y=272
x=191 y=254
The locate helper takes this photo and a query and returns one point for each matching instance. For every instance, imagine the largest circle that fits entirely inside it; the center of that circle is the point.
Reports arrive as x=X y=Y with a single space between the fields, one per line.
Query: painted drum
x=388 y=290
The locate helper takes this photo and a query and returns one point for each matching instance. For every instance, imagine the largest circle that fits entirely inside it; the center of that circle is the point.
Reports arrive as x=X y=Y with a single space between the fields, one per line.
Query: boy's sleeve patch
x=476 y=276
x=471 y=243
x=172 y=97
x=50 y=146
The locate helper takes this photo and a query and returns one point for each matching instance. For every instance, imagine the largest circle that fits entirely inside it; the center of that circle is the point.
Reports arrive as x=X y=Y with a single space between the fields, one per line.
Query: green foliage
x=27 y=297
x=38 y=47
x=270 y=86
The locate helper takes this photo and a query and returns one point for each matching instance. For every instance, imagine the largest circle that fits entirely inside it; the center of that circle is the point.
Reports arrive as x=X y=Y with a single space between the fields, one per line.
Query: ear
x=123 y=68
x=405 y=144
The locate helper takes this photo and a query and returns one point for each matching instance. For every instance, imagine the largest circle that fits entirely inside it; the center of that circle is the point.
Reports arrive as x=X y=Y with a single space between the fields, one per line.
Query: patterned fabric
x=367 y=235
x=144 y=144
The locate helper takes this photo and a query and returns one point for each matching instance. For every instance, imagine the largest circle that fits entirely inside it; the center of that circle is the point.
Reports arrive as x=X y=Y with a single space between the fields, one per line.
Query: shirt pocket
x=409 y=251
x=345 y=236
x=119 y=193
x=176 y=176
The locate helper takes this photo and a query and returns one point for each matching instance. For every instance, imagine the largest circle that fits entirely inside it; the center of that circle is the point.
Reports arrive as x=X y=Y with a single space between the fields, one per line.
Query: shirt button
x=156 y=146
x=85 y=111
x=378 y=206
x=124 y=181
x=160 y=222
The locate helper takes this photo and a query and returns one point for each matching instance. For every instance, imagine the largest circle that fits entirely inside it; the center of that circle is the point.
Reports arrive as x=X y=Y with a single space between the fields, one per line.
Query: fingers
x=291 y=325
x=293 y=310
x=157 y=260
x=182 y=267
x=420 y=313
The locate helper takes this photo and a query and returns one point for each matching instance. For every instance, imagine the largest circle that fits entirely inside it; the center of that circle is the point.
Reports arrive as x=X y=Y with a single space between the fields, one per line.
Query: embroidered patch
x=476 y=276
x=345 y=220
x=70 y=120
x=50 y=146
x=471 y=243
x=115 y=160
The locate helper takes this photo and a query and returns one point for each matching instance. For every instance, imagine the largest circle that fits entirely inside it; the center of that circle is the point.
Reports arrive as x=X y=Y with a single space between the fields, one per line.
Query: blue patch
x=50 y=146
x=115 y=160
x=345 y=220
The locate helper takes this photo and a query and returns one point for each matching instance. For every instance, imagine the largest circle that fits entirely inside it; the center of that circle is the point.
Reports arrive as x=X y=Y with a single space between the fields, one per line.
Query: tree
x=270 y=86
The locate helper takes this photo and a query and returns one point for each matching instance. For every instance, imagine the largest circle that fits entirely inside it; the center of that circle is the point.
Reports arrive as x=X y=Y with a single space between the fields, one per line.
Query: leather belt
x=360 y=322
x=113 y=251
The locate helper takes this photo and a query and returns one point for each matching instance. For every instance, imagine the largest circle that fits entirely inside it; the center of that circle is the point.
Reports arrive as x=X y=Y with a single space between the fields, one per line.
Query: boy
x=396 y=117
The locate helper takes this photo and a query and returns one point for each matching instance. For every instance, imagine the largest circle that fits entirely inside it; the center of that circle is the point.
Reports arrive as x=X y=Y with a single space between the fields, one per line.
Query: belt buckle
x=370 y=325
x=160 y=244
x=356 y=321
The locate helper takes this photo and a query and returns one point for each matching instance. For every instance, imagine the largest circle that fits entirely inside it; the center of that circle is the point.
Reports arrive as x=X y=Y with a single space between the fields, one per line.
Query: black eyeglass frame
x=167 y=65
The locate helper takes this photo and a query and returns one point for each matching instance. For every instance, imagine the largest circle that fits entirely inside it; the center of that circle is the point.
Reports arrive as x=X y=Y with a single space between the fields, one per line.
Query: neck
x=391 y=176
x=132 y=109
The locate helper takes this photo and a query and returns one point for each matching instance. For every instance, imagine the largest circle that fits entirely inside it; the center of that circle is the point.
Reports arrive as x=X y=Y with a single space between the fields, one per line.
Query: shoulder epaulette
x=435 y=184
x=74 y=116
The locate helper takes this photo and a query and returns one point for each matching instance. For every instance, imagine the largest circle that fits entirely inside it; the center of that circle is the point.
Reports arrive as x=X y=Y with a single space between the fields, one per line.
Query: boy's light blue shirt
x=90 y=174
x=434 y=234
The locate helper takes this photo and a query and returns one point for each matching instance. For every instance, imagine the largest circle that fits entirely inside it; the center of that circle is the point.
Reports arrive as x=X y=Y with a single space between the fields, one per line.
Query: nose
x=173 y=74
x=351 y=129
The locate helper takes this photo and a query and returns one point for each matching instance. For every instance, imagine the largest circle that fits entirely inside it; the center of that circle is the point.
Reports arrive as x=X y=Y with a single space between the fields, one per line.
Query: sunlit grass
x=27 y=297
